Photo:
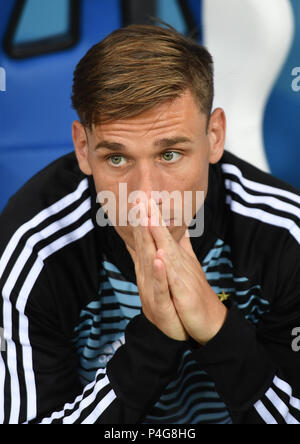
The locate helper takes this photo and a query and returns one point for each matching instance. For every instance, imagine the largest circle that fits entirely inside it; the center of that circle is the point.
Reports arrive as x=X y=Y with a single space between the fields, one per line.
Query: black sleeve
x=39 y=380
x=256 y=368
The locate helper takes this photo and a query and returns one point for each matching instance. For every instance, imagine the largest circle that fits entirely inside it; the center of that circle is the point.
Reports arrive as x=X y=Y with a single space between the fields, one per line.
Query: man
x=147 y=323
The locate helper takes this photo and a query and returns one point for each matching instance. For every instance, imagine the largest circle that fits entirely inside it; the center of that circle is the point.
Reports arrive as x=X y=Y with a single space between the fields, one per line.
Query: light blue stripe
x=212 y=416
x=83 y=324
x=220 y=289
x=105 y=286
x=130 y=312
x=216 y=275
x=98 y=350
x=188 y=364
x=201 y=392
x=111 y=313
x=95 y=344
x=115 y=325
x=109 y=300
x=186 y=354
x=252 y=318
x=129 y=299
x=113 y=300
x=198 y=386
x=246 y=292
x=256 y=310
x=202 y=406
x=94 y=305
x=207 y=416
x=88 y=322
x=95 y=330
x=84 y=341
x=240 y=279
x=219 y=243
x=110 y=267
x=205 y=385
x=216 y=252
x=183 y=381
x=227 y=421
x=222 y=260
x=89 y=357
x=91 y=317
x=253 y=298
x=193 y=397
x=123 y=285
x=125 y=312
x=134 y=302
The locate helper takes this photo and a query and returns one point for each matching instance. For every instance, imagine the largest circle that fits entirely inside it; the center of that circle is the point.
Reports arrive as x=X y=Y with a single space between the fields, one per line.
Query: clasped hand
x=173 y=288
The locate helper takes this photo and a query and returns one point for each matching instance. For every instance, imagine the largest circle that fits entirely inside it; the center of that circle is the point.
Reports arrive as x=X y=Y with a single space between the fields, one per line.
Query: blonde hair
x=138 y=67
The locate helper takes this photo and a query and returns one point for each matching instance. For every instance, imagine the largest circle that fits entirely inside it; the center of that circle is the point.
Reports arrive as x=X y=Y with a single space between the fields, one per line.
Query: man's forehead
x=163 y=143
x=180 y=113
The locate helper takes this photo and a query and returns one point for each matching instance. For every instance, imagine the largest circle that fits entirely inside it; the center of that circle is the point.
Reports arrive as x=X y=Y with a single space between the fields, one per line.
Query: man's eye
x=171 y=156
x=115 y=160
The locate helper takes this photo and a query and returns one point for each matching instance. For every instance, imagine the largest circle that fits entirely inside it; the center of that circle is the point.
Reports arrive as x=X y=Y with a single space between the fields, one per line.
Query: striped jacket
x=76 y=346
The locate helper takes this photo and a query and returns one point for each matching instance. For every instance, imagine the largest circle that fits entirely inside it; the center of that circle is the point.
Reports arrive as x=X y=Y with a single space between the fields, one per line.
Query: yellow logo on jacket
x=223 y=296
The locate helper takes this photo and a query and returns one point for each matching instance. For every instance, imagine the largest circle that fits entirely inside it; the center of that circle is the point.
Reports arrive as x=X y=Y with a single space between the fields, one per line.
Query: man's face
x=167 y=148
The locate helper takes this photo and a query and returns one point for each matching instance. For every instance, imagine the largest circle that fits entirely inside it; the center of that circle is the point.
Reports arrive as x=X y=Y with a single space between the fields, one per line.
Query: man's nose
x=147 y=180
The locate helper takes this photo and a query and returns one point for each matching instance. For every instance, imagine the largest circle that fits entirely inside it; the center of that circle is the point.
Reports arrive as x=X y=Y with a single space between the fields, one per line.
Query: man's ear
x=81 y=147
x=216 y=135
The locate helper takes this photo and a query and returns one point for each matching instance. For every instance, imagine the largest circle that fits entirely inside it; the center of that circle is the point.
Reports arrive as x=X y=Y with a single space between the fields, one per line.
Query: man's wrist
x=236 y=353
x=212 y=331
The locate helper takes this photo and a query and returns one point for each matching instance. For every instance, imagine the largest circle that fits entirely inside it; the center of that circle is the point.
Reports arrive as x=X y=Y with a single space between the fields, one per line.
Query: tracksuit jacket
x=76 y=345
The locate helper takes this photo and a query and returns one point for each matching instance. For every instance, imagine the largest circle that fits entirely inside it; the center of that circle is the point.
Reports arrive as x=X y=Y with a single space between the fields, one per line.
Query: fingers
x=162 y=297
x=161 y=288
x=174 y=281
x=163 y=238
x=144 y=244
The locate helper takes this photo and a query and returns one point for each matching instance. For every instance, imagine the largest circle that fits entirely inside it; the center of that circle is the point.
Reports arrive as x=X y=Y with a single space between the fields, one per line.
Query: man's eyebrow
x=162 y=143
x=167 y=142
x=113 y=146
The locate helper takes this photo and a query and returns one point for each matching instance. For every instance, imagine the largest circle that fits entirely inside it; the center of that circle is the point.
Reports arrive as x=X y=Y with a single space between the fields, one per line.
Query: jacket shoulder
x=47 y=194
x=263 y=215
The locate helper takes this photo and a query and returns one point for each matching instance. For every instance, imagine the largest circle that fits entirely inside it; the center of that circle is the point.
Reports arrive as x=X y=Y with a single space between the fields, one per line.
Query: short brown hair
x=138 y=67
